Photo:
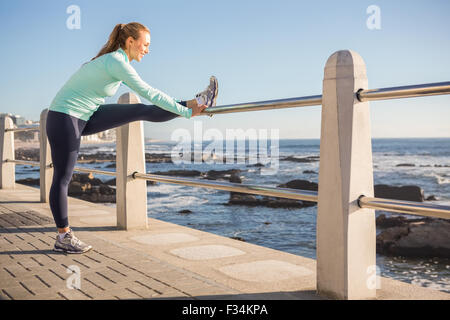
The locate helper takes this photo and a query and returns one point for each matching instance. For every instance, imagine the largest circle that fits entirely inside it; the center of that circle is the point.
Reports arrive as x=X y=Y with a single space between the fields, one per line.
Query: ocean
x=294 y=230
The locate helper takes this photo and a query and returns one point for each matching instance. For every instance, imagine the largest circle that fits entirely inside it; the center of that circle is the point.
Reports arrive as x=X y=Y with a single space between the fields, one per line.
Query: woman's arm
x=123 y=71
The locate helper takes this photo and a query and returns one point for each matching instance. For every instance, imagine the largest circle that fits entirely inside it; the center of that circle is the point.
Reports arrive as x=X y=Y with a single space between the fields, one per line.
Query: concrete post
x=346 y=261
x=45 y=159
x=131 y=194
x=7 y=169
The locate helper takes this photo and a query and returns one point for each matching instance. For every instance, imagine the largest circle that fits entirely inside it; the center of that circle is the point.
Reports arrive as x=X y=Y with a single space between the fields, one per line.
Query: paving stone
x=5 y=276
x=99 y=280
x=73 y=294
x=164 y=238
x=101 y=220
x=171 y=277
x=265 y=271
x=106 y=296
x=41 y=244
x=35 y=285
x=27 y=262
x=112 y=276
x=144 y=290
x=47 y=296
x=93 y=289
x=206 y=252
x=15 y=269
x=149 y=267
x=24 y=237
x=173 y=294
x=157 y=286
x=16 y=292
x=51 y=279
x=4 y=242
x=85 y=262
x=121 y=269
x=124 y=294
x=45 y=260
x=206 y=292
x=24 y=247
x=191 y=284
x=90 y=212
x=5 y=259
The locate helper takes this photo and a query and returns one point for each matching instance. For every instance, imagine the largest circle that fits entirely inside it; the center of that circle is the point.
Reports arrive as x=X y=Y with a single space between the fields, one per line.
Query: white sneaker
x=208 y=96
x=70 y=244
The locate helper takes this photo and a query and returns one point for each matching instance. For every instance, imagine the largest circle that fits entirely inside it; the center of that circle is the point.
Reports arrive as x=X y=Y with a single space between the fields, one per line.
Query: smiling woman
x=133 y=36
x=78 y=109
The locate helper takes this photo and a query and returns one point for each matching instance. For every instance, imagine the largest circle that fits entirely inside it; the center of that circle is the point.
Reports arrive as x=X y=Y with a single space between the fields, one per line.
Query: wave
x=440 y=179
x=175 y=202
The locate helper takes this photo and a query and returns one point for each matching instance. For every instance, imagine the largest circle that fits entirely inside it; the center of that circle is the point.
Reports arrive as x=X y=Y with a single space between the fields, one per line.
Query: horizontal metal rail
x=304 y=195
x=409 y=207
x=36 y=128
x=265 y=105
x=79 y=169
x=24 y=162
x=419 y=90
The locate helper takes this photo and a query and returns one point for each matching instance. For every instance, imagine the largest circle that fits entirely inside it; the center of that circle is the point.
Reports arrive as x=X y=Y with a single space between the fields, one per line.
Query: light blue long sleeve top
x=86 y=90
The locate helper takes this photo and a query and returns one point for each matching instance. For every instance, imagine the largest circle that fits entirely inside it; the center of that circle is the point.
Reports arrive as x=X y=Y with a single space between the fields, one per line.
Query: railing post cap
x=342 y=63
x=128 y=98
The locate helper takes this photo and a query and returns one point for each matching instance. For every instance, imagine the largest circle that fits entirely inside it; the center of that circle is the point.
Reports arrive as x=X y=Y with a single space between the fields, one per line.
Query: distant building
x=104 y=136
x=20 y=121
x=17 y=119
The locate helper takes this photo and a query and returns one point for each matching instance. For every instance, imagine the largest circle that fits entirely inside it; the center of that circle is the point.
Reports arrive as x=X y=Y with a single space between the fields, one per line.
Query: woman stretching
x=78 y=109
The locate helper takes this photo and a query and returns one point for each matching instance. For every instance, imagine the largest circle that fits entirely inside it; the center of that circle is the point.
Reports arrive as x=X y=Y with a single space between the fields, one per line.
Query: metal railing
x=78 y=169
x=287 y=193
x=419 y=90
x=409 y=207
x=36 y=128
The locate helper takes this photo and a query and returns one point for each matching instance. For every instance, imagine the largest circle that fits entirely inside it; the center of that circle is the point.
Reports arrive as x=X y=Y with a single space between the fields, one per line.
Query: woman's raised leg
x=110 y=116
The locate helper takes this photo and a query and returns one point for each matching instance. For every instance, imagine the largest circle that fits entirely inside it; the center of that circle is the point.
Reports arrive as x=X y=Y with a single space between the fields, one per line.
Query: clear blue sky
x=258 y=50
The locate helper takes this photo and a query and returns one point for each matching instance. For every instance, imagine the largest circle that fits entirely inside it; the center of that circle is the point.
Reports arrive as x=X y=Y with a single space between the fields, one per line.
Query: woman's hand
x=196 y=109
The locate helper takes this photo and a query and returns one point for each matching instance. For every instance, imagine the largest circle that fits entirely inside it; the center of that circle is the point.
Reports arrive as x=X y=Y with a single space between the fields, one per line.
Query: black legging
x=64 y=135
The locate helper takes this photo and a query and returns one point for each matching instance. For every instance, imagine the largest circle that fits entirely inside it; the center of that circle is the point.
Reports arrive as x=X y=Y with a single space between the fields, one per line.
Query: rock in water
x=300 y=184
x=406 y=165
x=426 y=237
x=407 y=193
x=179 y=173
x=237 y=198
x=29 y=181
x=27 y=154
x=185 y=211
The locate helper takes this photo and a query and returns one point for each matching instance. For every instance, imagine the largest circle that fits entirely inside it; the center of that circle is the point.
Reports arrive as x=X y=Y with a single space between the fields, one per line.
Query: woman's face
x=139 y=48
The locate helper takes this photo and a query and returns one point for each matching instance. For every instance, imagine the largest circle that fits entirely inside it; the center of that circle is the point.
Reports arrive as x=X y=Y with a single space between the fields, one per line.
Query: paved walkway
x=166 y=261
